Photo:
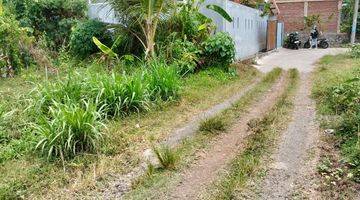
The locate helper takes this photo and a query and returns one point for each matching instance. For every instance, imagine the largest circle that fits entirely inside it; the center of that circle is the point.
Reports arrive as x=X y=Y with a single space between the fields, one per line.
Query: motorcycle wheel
x=307 y=45
x=324 y=45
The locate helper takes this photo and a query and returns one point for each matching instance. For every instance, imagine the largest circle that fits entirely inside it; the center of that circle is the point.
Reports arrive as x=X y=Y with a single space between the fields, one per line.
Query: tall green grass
x=70 y=129
x=71 y=111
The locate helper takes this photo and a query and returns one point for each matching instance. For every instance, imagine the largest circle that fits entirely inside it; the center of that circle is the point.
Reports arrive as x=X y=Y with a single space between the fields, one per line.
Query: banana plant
x=108 y=52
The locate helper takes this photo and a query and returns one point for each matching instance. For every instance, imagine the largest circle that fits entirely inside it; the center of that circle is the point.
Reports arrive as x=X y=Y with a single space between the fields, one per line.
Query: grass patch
x=337 y=94
x=123 y=141
x=166 y=156
x=161 y=181
x=259 y=143
x=213 y=125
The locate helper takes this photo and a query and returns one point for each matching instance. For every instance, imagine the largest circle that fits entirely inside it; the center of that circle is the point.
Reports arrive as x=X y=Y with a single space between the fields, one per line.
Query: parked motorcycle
x=322 y=43
x=292 y=41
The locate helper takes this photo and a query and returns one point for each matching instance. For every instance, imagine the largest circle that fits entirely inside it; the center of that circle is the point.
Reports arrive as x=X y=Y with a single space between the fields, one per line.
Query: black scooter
x=322 y=43
x=292 y=41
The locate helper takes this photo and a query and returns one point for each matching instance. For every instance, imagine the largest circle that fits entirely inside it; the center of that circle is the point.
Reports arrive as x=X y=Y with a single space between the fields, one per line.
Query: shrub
x=355 y=51
x=219 y=50
x=81 y=43
x=343 y=99
x=185 y=55
x=69 y=129
x=50 y=18
x=163 y=81
x=13 y=54
x=344 y=96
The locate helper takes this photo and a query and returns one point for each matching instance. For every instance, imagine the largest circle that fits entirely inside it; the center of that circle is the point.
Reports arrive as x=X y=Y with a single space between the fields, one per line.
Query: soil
x=123 y=183
x=225 y=148
x=291 y=173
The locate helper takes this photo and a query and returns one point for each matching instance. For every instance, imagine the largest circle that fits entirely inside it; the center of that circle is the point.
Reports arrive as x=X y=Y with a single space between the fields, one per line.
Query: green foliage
x=52 y=19
x=219 y=50
x=355 y=51
x=344 y=96
x=81 y=44
x=163 y=81
x=70 y=129
x=220 y=11
x=185 y=55
x=13 y=40
x=70 y=111
x=339 y=95
x=213 y=125
x=167 y=156
x=347 y=13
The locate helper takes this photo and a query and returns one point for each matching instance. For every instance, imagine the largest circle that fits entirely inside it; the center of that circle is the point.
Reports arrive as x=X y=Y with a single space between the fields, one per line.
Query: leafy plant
x=163 y=81
x=70 y=129
x=355 y=51
x=13 y=40
x=51 y=19
x=219 y=50
x=81 y=44
x=185 y=55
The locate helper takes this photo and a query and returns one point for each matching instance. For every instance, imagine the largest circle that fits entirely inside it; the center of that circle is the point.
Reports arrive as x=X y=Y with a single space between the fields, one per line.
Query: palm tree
x=146 y=14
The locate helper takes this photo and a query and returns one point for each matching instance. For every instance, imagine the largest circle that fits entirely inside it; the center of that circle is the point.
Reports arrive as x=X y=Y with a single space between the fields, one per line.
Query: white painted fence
x=248 y=28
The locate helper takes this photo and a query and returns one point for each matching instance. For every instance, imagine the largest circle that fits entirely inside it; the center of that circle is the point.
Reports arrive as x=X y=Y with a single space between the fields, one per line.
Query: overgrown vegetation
x=338 y=93
x=67 y=81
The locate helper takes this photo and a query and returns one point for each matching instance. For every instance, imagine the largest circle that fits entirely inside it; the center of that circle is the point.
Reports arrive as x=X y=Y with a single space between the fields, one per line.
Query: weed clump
x=167 y=156
x=213 y=125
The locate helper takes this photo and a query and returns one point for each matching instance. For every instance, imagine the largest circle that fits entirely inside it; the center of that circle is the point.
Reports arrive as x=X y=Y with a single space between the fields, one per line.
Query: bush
x=185 y=55
x=219 y=50
x=345 y=96
x=50 y=18
x=12 y=45
x=355 y=51
x=69 y=129
x=81 y=43
x=343 y=100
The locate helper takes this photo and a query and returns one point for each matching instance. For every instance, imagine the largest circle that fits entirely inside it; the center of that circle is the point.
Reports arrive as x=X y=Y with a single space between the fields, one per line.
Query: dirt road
x=294 y=162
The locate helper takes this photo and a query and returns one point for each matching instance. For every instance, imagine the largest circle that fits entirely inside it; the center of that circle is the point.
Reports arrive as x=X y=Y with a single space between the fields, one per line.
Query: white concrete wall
x=248 y=28
x=102 y=12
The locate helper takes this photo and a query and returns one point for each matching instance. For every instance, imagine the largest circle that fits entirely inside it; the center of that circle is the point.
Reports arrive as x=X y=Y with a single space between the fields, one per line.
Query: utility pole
x=353 y=30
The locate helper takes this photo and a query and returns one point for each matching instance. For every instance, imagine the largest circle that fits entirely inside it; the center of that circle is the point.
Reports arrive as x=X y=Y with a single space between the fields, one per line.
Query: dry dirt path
x=225 y=148
x=294 y=162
